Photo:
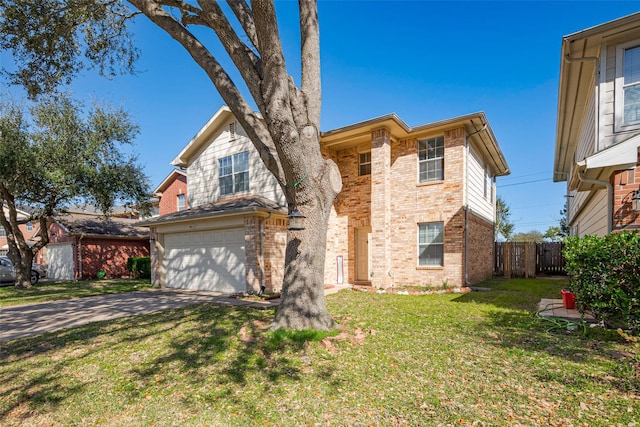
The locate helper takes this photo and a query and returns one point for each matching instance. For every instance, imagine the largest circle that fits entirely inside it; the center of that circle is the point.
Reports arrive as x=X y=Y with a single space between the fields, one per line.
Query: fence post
x=507 y=260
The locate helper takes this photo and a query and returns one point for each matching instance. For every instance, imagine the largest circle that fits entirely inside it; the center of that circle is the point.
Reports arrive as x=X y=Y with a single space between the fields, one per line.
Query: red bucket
x=568 y=299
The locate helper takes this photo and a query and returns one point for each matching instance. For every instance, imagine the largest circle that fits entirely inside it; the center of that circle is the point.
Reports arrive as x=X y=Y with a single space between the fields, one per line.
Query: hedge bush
x=605 y=277
x=140 y=266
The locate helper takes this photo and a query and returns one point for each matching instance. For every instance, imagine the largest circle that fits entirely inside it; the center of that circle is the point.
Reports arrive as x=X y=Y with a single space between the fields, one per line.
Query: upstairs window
x=2 y=232
x=631 y=85
x=364 y=164
x=181 y=202
x=234 y=173
x=29 y=226
x=431 y=159
x=431 y=244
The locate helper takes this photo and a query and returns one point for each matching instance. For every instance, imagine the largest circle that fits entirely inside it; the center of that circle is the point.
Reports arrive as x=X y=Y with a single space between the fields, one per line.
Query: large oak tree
x=53 y=39
x=57 y=154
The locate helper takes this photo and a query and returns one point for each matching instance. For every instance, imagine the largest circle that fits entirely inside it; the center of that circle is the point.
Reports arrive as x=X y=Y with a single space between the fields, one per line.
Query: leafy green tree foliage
x=559 y=232
x=503 y=226
x=533 y=236
x=605 y=276
x=55 y=155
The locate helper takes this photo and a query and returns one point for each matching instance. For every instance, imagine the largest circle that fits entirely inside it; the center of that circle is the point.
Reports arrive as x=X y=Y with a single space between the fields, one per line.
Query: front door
x=363 y=263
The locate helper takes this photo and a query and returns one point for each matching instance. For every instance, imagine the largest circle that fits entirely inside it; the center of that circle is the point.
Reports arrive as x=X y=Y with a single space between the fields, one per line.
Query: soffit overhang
x=602 y=164
x=579 y=60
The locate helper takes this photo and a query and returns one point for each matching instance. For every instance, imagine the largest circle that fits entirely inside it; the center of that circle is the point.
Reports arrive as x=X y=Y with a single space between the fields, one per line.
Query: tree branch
x=243 y=57
x=251 y=123
x=242 y=11
x=310 y=41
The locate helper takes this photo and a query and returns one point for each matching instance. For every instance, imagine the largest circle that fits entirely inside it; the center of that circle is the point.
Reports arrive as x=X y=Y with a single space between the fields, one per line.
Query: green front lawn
x=450 y=359
x=43 y=291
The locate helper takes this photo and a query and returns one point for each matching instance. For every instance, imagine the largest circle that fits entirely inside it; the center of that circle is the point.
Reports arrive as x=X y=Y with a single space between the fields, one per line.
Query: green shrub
x=140 y=266
x=605 y=276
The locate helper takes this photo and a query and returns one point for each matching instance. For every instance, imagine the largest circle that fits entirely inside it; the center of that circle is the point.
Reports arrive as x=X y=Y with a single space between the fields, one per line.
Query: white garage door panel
x=208 y=260
x=60 y=261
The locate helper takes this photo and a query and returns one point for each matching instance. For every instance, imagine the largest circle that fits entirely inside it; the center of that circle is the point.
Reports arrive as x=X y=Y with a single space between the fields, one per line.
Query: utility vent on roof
x=232 y=131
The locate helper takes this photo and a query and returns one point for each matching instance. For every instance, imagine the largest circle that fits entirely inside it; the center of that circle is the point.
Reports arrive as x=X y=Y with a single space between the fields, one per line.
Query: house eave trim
x=251 y=210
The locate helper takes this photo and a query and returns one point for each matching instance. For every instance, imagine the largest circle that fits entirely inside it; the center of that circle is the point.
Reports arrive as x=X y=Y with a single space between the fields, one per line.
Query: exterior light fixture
x=295 y=220
x=635 y=201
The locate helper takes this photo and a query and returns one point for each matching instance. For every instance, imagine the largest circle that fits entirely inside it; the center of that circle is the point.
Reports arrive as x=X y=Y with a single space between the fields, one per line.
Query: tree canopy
x=55 y=154
x=503 y=226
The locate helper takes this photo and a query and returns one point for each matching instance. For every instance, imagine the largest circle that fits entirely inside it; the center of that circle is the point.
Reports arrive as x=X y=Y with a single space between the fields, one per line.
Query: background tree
x=533 y=236
x=49 y=39
x=559 y=232
x=503 y=226
x=58 y=155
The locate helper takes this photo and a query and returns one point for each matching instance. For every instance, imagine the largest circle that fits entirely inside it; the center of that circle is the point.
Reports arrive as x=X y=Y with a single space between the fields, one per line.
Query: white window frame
x=181 y=201
x=29 y=226
x=620 y=125
x=235 y=174
x=428 y=160
x=3 y=232
x=422 y=245
x=364 y=164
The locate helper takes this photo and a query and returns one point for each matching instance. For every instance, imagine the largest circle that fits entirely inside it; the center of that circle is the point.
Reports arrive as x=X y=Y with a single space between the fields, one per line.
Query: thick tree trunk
x=302 y=305
x=22 y=267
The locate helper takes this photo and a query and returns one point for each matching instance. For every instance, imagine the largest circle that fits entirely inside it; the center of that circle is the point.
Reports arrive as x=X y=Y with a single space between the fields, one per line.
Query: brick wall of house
x=252 y=253
x=413 y=203
x=274 y=245
x=352 y=210
x=480 y=253
x=169 y=200
x=625 y=183
x=110 y=255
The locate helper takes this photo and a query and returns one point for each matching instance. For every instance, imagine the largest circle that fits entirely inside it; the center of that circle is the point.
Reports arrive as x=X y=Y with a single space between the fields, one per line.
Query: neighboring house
x=172 y=193
x=417 y=208
x=28 y=231
x=598 y=128
x=82 y=244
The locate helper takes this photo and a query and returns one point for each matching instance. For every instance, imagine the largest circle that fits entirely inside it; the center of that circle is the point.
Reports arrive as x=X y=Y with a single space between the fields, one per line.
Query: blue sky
x=423 y=60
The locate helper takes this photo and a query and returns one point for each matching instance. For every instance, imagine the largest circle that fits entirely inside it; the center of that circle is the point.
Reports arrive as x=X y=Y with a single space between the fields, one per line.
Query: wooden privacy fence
x=522 y=259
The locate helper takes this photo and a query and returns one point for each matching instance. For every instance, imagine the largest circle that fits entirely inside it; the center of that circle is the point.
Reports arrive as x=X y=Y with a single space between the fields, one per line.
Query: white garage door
x=60 y=261
x=210 y=260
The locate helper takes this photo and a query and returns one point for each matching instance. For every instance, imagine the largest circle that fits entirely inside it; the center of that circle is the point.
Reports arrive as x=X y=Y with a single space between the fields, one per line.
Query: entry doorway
x=363 y=249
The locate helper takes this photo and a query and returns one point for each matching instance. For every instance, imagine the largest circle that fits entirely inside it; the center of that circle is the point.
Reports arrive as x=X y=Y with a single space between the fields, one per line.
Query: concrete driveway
x=25 y=320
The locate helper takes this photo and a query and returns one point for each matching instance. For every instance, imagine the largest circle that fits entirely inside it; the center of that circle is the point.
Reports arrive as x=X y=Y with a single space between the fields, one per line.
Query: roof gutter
x=216 y=214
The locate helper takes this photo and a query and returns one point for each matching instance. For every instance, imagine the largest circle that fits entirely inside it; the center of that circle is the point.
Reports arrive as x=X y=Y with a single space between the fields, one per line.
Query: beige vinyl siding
x=202 y=174
x=592 y=219
x=478 y=203
x=586 y=147
x=609 y=135
x=587 y=141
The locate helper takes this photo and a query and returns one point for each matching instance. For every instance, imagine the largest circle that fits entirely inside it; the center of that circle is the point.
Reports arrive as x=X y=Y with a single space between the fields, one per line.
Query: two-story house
x=171 y=194
x=417 y=208
x=598 y=127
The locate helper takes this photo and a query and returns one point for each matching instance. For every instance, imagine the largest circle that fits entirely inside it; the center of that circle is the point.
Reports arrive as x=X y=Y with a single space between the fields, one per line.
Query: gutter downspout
x=80 y=257
x=262 y=234
x=466 y=201
x=609 y=197
x=466 y=209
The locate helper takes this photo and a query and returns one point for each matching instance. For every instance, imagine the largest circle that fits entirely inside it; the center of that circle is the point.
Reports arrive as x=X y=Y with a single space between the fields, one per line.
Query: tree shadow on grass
x=201 y=344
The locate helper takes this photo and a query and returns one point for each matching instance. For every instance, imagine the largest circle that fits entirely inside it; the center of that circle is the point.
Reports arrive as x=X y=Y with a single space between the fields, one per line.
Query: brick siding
x=110 y=255
x=169 y=200
x=625 y=183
